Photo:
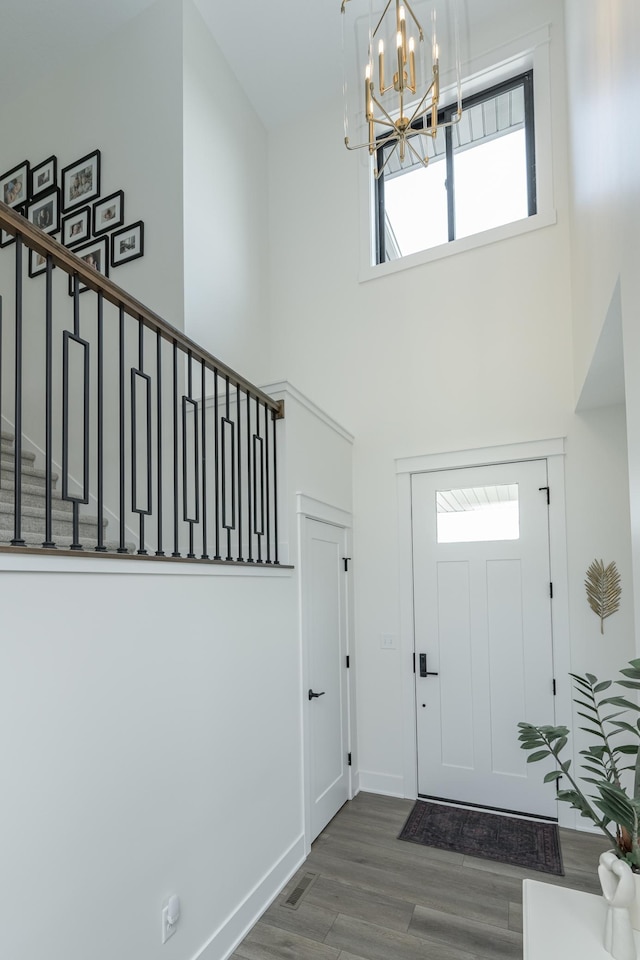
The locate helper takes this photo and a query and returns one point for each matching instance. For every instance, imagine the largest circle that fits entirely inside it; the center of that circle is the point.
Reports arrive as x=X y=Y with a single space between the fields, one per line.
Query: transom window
x=481 y=174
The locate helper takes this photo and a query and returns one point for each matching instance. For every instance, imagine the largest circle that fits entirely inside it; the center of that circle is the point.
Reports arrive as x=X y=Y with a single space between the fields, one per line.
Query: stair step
x=7 y=438
x=63 y=542
x=31 y=475
x=37 y=511
x=33 y=496
x=59 y=527
x=8 y=454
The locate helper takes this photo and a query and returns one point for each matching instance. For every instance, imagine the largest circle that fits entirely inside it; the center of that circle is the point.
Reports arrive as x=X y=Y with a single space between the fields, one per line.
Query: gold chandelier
x=402 y=75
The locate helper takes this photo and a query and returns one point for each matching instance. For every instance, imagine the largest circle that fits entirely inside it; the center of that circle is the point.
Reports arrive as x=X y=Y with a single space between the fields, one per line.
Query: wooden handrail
x=14 y=223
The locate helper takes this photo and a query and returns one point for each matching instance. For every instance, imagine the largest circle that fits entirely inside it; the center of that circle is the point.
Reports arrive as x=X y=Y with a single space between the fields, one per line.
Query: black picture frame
x=127 y=244
x=76 y=227
x=44 y=211
x=15 y=185
x=37 y=264
x=99 y=246
x=43 y=177
x=108 y=213
x=6 y=239
x=81 y=181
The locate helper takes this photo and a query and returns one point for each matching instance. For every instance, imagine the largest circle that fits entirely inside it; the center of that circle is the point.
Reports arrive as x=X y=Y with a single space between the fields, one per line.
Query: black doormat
x=522 y=843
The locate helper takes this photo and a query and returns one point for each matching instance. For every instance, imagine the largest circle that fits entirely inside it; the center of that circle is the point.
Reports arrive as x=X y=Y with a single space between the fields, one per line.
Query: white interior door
x=484 y=657
x=326 y=694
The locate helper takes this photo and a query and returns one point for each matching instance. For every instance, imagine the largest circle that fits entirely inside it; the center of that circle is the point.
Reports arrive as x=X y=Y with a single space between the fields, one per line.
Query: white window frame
x=531 y=52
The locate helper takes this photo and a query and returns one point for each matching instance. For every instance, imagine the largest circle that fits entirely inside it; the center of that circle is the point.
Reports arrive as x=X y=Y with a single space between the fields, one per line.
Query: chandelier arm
x=415 y=19
x=391 y=153
x=381 y=18
x=423 y=160
x=380 y=107
x=418 y=112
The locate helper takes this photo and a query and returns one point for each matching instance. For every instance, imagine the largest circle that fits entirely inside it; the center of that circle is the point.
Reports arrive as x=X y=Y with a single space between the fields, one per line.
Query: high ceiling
x=285 y=53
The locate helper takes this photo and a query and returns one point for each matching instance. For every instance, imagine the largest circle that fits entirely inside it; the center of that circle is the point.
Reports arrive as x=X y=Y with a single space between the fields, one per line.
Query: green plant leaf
x=622 y=702
x=593 y=733
x=604 y=685
x=630 y=748
x=589 y=706
x=540 y=755
x=553 y=775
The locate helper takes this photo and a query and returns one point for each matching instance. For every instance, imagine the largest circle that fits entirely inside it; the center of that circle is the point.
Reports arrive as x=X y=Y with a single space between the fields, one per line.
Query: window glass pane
x=415 y=197
x=416 y=210
x=478 y=513
x=491 y=183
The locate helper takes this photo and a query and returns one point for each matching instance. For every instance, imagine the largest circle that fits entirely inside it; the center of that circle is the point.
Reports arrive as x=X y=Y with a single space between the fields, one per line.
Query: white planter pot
x=634 y=909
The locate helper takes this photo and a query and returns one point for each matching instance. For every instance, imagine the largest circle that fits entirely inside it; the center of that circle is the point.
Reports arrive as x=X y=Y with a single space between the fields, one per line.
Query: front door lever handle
x=423 y=667
x=312 y=694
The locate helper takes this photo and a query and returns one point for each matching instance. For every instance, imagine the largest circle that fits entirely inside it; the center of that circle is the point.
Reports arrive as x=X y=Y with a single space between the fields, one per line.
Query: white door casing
x=483 y=619
x=324 y=629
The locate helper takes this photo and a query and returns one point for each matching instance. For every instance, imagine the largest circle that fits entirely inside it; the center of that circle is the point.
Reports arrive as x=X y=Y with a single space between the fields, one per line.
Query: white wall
x=123 y=96
x=603 y=69
x=469 y=351
x=225 y=208
x=155 y=748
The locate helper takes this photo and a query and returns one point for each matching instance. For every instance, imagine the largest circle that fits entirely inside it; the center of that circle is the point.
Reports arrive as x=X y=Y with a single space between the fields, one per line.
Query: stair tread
x=39 y=512
x=89 y=543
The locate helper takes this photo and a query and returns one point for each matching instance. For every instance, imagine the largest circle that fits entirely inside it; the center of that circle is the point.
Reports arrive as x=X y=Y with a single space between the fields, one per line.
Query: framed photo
x=81 y=181
x=96 y=255
x=14 y=185
x=44 y=212
x=108 y=213
x=37 y=263
x=77 y=226
x=8 y=238
x=127 y=244
x=44 y=176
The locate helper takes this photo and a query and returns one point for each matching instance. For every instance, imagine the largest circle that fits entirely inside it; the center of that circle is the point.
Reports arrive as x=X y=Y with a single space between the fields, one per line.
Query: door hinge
x=546 y=490
x=348 y=664
x=554 y=687
x=551 y=591
x=346 y=563
x=349 y=759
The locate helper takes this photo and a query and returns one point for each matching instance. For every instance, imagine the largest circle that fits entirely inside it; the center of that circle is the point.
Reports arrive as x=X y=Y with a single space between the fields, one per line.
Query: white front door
x=326 y=691
x=483 y=644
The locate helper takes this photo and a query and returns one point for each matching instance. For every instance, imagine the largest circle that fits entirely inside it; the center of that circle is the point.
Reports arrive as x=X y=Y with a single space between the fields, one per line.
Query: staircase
x=33 y=504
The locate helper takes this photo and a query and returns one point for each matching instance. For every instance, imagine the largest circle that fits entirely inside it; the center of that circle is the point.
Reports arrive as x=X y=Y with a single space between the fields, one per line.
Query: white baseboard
x=384 y=783
x=229 y=934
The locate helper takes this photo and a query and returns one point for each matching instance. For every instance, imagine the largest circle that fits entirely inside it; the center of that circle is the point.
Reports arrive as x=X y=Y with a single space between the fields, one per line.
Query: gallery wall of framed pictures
x=91 y=225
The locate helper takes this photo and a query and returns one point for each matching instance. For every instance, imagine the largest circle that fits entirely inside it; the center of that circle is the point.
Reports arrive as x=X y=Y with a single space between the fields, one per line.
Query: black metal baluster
x=258 y=446
x=216 y=460
x=249 y=530
x=268 y=485
x=1 y=354
x=203 y=401
x=101 y=547
x=122 y=547
x=224 y=477
x=238 y=423
x=17 y=498
x=176 y=552
x=76 y=545
x=159 y=550
x=48 y=418
x=185 y=491
x=275 y=492
x=141 y=547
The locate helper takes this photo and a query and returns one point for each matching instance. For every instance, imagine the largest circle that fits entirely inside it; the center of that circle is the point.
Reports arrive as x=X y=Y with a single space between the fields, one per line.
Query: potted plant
x=614 y=806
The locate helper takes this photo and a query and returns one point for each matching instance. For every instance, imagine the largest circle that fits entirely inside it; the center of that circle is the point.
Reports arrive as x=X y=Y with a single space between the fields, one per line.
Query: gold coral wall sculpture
x=603 y=590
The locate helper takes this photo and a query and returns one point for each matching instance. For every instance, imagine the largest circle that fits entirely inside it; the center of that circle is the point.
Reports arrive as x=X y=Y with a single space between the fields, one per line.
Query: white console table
x=563 y=924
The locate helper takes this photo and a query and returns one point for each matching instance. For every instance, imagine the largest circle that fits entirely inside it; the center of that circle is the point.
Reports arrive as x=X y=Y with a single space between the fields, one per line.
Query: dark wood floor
x=374 y=897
